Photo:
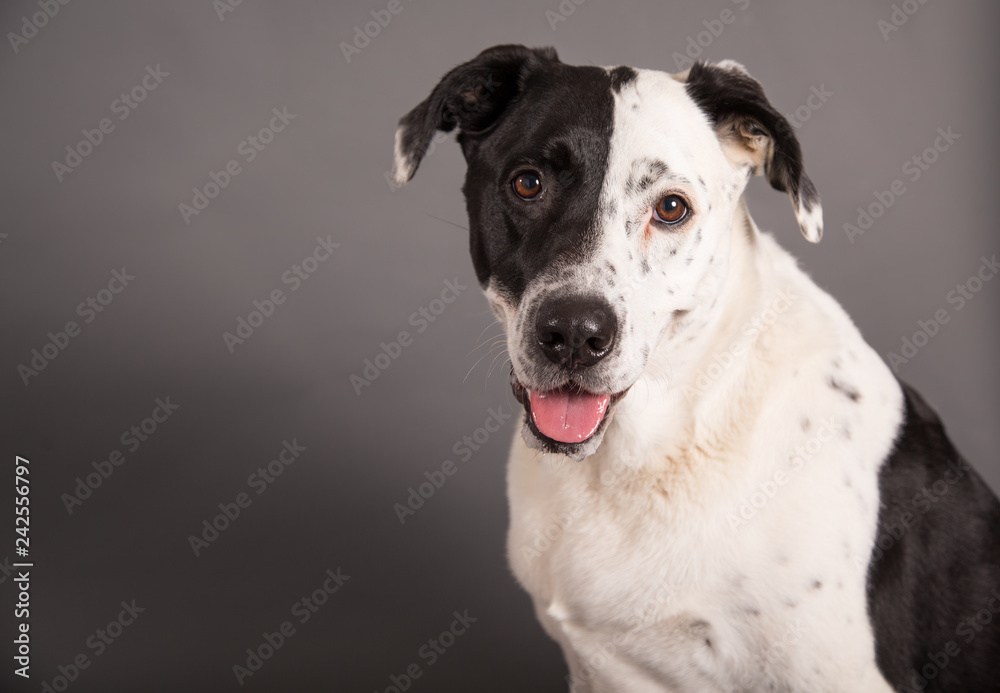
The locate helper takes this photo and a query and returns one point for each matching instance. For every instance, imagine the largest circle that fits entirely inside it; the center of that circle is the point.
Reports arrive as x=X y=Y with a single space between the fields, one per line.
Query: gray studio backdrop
x=173 y=174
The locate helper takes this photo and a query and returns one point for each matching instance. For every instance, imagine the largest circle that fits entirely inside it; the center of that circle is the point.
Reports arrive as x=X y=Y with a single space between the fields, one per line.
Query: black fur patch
x=538 y=115
x=936 y=563
x=621 y=76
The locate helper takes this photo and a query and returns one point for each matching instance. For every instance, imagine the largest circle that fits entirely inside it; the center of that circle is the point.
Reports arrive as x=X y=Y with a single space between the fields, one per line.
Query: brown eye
x=527 y=185
x=670 y=210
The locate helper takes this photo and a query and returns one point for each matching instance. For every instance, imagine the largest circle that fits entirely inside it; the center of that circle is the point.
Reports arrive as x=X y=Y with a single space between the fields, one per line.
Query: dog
x=718 y=485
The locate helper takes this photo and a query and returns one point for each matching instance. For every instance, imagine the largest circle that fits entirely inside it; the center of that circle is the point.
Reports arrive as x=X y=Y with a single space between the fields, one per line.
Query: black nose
x=575 y=331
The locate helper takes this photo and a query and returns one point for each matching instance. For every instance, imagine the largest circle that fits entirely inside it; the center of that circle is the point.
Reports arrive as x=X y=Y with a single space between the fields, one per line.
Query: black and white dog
x=759 y=505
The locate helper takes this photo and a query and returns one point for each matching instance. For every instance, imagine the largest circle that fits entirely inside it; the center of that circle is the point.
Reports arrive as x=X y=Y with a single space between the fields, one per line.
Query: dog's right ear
x=472 y=96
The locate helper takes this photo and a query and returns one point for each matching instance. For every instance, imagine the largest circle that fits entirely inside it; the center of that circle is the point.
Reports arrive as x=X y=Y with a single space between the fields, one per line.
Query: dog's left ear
x=754 y=133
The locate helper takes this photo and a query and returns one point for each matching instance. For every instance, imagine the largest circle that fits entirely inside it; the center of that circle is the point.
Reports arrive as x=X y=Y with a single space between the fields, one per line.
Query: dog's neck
x=711 y=363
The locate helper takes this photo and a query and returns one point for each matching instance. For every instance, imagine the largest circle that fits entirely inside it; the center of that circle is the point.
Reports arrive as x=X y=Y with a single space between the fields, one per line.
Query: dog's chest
x=645 y=586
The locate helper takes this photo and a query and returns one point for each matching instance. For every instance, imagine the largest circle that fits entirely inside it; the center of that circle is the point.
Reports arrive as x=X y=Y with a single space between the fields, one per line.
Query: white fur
x=402 y=169
x=637 y=559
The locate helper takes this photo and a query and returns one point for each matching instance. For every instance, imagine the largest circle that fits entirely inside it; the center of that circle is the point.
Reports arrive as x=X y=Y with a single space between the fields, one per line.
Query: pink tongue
x=568 y=417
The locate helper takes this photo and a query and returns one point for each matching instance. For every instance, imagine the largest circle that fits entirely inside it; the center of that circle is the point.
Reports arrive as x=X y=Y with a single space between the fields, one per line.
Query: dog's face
x=601 y=204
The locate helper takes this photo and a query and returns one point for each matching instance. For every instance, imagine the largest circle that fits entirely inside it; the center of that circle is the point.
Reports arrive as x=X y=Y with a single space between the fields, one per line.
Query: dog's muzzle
x=574 y=333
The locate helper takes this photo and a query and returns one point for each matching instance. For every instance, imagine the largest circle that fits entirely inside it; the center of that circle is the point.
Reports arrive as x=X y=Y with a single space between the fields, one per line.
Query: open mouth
x=564 y=418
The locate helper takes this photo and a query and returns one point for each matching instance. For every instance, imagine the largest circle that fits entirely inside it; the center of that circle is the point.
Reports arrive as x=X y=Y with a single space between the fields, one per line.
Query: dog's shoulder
x=935 y=567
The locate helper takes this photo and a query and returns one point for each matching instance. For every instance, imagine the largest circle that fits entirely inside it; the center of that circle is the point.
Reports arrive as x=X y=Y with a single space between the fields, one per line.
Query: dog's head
x=601 y=205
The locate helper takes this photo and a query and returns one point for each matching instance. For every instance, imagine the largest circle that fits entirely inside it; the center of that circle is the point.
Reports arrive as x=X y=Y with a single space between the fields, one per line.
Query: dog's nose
x=575 y=331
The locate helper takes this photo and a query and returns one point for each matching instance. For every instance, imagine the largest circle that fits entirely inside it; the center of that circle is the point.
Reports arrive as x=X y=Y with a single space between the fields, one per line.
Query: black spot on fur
x=644 y=174
x=816 y=585
x=699 y=627
x=622 y=76
x=847 y=390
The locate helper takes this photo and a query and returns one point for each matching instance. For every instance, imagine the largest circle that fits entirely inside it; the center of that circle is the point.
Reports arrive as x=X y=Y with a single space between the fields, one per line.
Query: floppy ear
x=753 y=132
x=472 y=96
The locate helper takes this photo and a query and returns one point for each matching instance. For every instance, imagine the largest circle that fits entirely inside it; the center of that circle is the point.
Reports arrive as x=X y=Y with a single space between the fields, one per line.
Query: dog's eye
x=527 y=185
x=670 y=210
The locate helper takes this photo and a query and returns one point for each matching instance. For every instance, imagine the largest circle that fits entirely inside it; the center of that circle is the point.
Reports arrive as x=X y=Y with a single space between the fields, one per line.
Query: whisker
x=464 y=228
x=494 y=338
x=476 y=364
x=502 y=353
